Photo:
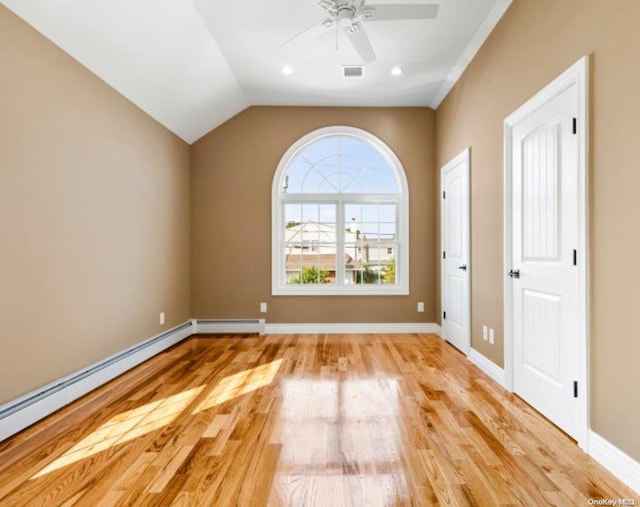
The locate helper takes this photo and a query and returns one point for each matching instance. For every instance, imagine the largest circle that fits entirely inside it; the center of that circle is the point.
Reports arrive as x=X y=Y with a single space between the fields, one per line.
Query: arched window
x=340 y=215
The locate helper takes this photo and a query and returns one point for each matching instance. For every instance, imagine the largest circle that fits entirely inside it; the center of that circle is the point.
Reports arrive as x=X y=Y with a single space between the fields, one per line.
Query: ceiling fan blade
x=391 y=12
x=313 y=31
x=328 y=5
x=360 y=41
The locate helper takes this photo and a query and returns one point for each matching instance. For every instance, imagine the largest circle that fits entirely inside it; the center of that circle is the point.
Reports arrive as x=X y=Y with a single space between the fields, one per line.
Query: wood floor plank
x=300 y=420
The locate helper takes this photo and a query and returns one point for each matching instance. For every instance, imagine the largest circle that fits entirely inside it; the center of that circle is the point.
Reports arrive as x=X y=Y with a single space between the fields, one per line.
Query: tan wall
x=94 y=216
x=231 y=175
x=535 y=42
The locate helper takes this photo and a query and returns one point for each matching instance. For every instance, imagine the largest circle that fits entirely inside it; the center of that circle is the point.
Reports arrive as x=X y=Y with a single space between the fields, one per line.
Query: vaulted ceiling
x=193 y=64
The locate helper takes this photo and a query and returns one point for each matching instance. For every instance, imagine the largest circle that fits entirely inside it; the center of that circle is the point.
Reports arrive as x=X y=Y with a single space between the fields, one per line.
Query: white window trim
x=278 y=287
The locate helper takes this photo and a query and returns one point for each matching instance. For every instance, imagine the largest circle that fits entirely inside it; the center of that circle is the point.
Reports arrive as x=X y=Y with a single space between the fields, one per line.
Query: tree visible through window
x=340 y=216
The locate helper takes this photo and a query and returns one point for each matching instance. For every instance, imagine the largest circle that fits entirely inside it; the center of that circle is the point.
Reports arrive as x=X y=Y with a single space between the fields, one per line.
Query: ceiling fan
x=350 y=14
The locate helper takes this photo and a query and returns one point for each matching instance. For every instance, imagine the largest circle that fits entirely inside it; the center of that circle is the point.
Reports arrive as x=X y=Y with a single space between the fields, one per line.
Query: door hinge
x=575 y=125
x=575 y=257
x=444 y=194
x=575 y=388
x=444 y=255
x=444 y=315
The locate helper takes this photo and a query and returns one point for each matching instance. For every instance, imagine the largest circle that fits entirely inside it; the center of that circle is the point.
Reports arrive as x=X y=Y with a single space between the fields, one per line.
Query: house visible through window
x=340 y=216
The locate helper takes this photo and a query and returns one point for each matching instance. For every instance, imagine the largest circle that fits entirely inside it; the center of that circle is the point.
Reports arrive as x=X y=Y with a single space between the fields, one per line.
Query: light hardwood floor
x=309 y=420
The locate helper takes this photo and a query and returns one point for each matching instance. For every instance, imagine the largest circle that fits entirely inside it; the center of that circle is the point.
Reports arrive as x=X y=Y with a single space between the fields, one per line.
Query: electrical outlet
x=421 y=307
x=161 y=318
x=263 y=307
x=485 y=333
x=492 y=336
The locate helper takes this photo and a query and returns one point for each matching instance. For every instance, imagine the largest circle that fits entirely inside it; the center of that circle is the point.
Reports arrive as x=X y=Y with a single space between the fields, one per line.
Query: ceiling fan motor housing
x=349 y=15
x=345 y=15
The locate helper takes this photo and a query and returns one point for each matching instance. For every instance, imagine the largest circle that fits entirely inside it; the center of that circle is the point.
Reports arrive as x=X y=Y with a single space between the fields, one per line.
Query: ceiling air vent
x=352 y=71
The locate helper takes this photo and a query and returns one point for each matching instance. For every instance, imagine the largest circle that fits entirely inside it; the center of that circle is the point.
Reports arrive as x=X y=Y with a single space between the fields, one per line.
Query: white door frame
x=465 y=158
x=577 y=74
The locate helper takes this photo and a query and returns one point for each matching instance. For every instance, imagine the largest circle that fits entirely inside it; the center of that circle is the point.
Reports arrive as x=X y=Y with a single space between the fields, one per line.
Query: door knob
x=514 y=273
x=463 y=267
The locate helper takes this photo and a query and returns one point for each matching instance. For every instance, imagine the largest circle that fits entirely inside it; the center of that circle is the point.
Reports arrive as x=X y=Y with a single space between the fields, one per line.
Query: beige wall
x=535 y=42
x=94 y=216
x=231 y=175
x=95 y=203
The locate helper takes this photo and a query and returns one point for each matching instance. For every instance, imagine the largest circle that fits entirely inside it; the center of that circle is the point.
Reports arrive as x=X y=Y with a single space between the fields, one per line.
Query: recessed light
x=396 y=71
x=287 y=70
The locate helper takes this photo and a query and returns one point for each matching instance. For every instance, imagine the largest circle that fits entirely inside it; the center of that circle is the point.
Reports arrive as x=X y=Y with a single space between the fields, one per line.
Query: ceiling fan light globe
x=345 y=16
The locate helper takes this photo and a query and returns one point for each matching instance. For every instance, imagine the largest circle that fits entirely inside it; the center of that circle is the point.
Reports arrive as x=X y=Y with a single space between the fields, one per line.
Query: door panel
x=541 y=334
x=545 y=232
x=541 y=220
x=455 y=244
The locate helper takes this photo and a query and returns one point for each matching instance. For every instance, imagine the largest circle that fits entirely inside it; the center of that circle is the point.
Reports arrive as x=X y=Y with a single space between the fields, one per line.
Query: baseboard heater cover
x=23 y=412
x=357 y=328
x=229 y=326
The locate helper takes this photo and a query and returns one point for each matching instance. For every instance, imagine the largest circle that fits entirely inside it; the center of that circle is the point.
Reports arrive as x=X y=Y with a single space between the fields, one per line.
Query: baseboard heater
x=18 y=414
x=229 y=326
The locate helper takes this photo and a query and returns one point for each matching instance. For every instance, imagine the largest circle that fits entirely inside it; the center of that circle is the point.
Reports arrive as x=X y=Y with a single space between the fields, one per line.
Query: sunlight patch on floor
x=152 y=416
x=240 y=383
x=125 y=427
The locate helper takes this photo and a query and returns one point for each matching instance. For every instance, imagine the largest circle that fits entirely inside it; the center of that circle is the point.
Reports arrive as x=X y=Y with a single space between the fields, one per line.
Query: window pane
x=370 y=242
x=388 y=213
x=327 y=213
x=340 y=164
x=310 y=268
x=310 y=222
x=310 y=243
x=389 y=271
x=292 y=215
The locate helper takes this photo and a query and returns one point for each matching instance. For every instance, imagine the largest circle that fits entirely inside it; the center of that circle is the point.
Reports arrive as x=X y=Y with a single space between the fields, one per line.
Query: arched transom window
x=340 y=217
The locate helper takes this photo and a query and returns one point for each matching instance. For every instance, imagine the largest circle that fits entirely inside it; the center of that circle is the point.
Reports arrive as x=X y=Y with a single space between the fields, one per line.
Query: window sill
x=340 y=291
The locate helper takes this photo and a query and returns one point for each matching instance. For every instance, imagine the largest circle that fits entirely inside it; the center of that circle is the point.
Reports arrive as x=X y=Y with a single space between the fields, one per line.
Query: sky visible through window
x=340 y=165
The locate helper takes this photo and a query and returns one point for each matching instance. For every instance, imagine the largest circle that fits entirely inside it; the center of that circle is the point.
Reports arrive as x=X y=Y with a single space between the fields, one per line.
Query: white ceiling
x=193 y=64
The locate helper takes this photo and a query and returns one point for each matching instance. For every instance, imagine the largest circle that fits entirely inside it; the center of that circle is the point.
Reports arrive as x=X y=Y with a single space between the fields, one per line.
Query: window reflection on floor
x=341 y=443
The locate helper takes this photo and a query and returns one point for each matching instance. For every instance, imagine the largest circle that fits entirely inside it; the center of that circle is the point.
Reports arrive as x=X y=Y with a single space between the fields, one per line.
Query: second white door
x=456 y=301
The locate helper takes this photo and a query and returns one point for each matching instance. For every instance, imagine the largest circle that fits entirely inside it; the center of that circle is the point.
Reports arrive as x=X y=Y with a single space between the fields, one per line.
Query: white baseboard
x=353 y=328
x=487 y=366
x=229 y=326
x=26 y=410
x=623 y=466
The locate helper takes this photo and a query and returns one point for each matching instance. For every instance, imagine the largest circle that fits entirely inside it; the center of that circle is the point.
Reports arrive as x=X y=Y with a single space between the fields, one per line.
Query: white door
x=544 y=243
x=456 y=301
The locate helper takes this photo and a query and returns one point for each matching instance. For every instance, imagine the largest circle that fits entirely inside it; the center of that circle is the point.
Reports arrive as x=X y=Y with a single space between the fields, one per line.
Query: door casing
x=576 y=75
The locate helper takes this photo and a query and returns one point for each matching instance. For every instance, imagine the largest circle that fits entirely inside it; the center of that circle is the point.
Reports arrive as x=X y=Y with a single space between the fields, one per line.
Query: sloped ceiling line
x=193 y=64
